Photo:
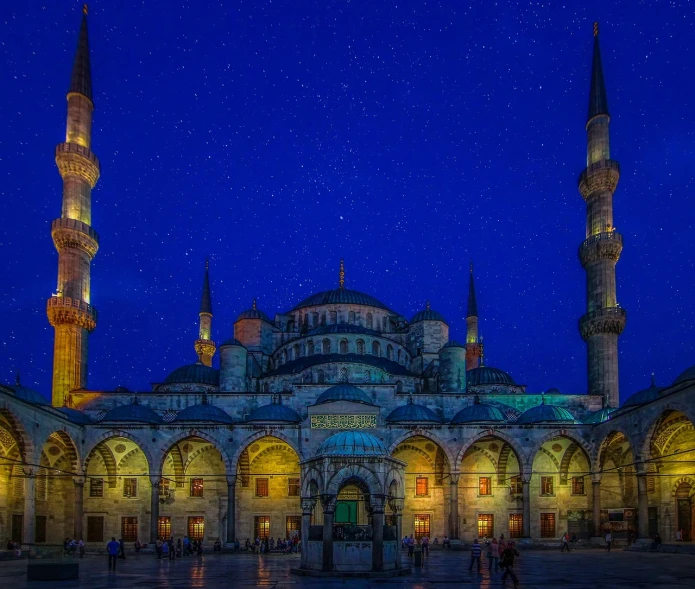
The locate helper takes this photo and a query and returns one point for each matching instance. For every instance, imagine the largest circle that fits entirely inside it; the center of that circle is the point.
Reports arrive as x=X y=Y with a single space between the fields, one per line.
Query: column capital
x=231 y=481
x=328 y=502
x=308 y=505
x=155 y=480
x=376 y=503
x=454 y=477
x=596 y=478
x=79 y=480
x=29 y=473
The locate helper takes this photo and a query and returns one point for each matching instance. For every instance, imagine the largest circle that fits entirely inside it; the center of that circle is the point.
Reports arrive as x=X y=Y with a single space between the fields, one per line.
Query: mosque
x=338 y=418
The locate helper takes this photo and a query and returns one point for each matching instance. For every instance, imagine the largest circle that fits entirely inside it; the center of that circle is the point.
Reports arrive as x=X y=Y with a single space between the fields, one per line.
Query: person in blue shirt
x=476 y=549
x=112 y=549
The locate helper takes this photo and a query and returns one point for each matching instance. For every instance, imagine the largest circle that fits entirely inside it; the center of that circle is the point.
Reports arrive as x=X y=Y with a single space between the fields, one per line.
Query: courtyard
x=443 y=570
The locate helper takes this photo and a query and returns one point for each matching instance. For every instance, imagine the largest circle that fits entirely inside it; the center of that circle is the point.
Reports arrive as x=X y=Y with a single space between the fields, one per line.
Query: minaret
x=341 y=275
x=473 y=348
x=605 y=319
x=70 y=311
x=204 y=346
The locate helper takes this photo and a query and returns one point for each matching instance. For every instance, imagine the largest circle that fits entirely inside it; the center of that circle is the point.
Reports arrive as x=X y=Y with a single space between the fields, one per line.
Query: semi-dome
x=344 y=392
x=340 y=296
x=29 y=395
x=274 y=412
x=687 y=374
x=352 y=443
x=478 y=413
x=133 y=412
x=644 y=396
x=428 y=315
x=204 y=412
x=194 y=373
x=412 y=413
x=545 y=414
x=484 y=375
x=599 y=416
x=75 y=415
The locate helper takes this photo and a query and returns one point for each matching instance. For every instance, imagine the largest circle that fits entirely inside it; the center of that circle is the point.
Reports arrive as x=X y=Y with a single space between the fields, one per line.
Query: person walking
x=411 y=546
x=172 y=549
x=507 y=562
x=425 y=541
x=164 y=550
x=494 y=557
x=121 y=548
x=565 y=542
x=609 y=541
x=112 y=549
x=158 y=548
x=476 y=549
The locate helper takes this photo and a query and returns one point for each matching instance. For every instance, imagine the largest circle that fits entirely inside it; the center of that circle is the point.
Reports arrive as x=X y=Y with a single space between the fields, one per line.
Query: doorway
x=684 y=510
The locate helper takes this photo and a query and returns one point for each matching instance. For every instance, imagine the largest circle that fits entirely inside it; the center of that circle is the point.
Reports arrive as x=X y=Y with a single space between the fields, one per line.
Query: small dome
x=644 y=396
x=344 y=392
x=232 y=342
x=340 y=296
x=274 y=412
x=478 y=413
x=352 y=443
x=133 y=412
x=428 y=315
x=687 y=374
x=29 y=395
x=453 y=344
x=76 y=416
x=203 y=412
x=553 y=391
x=413 y=413
x=254 y=313
x=194 y=373
x=484 y=375
x=545 y=414
x=599 y=416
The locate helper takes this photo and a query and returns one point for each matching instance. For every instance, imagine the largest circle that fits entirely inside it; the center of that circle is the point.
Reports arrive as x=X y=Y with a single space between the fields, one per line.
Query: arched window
x=370 y=321
x=326 y=345
x=315 y=317
x=266 y=387
x=399 y=386
x=321 y=376
x=351 y=317
x=323 y=318
x=343 y=375
x=389 y=352
x=286 y=386
x=385 y=324
x=368 y=376
x=307 y=378
x=334 y=317
x=400 y=357
x=360 y=346
x=343 y=346
x=310 y=348
x=296 y=351
x=376 y=349
x=284 y=356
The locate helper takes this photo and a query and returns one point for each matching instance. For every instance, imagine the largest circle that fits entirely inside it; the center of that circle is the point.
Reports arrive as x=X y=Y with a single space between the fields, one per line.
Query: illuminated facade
x=339 y=410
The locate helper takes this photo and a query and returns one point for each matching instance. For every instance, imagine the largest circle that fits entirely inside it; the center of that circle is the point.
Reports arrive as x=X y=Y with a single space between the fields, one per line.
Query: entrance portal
x=684 y=510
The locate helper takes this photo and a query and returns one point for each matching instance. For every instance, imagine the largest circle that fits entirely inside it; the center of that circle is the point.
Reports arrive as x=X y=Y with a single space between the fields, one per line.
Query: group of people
x=172 y=549
x=423 y=542
x=72 y=547
x=500 y=555
x=15 y=547
x=265 y=545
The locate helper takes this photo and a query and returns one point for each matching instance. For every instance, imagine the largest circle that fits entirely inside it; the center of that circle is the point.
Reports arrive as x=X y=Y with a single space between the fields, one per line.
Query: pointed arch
x=553 y=434
x=643 y=449
x=258 y=436
x=312 y=483
x=108 y=460
x=565 y=462
x=67 y=446
x=511 y=442
x=423 y=434
x=173 y=443
x=351 y=472
x=25 y=445
x=686 y=479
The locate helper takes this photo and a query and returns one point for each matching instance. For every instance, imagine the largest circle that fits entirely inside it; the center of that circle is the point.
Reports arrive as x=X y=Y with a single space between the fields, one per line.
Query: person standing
x=565 y=542
x=411 y=546
x=121 y=548
x=172 y=549
x=80 y=547
x=609 y=540
x=476 y=549
x=425 y=541
x=494 y=555
x=158 y=547
x=112 y=549
x=507 y=562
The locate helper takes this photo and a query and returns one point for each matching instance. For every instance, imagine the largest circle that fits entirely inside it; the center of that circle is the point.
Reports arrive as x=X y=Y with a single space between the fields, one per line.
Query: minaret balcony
x=602 y=246
x=68 y=311
x=600 y=321
x=74 y=159
x=599 y=177
x=72 y=233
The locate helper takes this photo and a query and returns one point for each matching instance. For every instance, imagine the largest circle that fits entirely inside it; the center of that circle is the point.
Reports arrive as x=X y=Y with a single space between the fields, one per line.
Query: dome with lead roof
x=133 y=412
x=479 y=413
x=546 y=414
x=194 y=374
x=413 y=413
x=352 y=443
x=344 y=392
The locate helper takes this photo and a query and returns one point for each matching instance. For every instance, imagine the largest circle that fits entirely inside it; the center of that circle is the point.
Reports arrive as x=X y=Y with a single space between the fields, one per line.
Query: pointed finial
x=652 y=379
x=476 y=400
x=206 y=298
x=341 y=277
x=471 y=266
x=204 y=399
x=254 y=304
x=85 y=9
x=427 y=305
x=410 y=399
x=598 y=103
x=207 y=263
x=18 y=379
x=472 y=310
x=81 y=81
x=596 y=29
x=542 y=398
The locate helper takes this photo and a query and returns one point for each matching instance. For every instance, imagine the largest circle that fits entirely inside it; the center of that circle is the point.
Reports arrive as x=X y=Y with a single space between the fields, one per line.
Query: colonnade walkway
x=542 y=569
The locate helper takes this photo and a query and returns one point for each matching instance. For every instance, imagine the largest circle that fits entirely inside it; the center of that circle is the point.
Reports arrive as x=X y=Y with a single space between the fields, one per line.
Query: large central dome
x=340 y=296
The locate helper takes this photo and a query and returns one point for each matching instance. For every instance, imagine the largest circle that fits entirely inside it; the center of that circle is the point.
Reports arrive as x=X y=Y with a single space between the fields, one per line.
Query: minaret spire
x=70 y=311
x=204 y=346
x=604 y=320
x=341 y=275
x=473 y=347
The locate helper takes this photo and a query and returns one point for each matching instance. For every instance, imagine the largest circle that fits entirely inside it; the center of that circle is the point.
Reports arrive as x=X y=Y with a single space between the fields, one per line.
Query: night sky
x=408 y=138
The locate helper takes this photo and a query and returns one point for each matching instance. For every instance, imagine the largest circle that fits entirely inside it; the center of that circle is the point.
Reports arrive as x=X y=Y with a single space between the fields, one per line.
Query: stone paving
x=444 y=570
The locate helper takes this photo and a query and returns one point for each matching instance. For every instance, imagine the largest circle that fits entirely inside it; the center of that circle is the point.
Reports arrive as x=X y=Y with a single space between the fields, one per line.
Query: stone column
x=154 y=508
x=307 y=509
x=231 y=509
x=454 y=506
x=642 y=505
x=29 y=534
x=328 y=502
x=596 y=497
x=78 y=514
x=526 y=511
x=377 y=505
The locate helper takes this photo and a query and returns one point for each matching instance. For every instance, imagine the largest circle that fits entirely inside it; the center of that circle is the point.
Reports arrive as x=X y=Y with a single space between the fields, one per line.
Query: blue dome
x=133 y=412
x=194 y=373
x=453 y=344
x=340 y=296
x=254 y=313
x=29 y=395
x=352 y=443
x=478 y=413
x=553 y=391
x=204 y=412
x=687 y=374
x=488 y=375
x=599 y=416
x=232 y=342
x=76 y=416
x=274 y=412
x=644 y=396
x=545 y=414
x=428 y=315
x=413 y=413
x=344 y=392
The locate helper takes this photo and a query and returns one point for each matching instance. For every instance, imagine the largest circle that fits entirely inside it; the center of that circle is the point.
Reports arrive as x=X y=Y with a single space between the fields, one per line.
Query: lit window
x=129 y=529
x=293 y=487
x=421 y=486
x=164 y=488
x=130 y=487
x=485 y=486
x=485 y=525
x=261 y=526
x=261 y=487
x=515 y=485
x=164 y=527
x=196 y=527
x=96 y=487
x=577 y=485
x=546 y=485
x=422 y=525
x=293 y=524
x=196 y=487
x=547 y=525
x=515 y=525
